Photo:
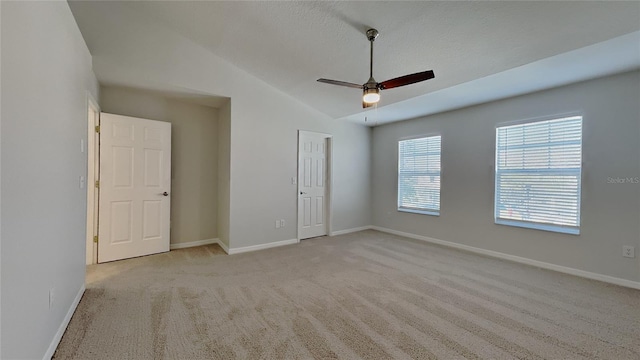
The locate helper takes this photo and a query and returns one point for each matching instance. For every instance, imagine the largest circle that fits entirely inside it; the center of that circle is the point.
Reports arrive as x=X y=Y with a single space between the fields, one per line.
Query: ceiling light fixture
x=371 y=96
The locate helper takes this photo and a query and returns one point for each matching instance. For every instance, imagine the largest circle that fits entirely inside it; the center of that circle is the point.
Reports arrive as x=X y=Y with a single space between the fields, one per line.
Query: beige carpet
x=364 y=295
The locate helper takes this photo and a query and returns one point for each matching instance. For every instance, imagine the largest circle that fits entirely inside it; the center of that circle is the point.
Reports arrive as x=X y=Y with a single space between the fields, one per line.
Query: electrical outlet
x=282 y=223
x=52 y=295
x=277 y=224
x=629 y=251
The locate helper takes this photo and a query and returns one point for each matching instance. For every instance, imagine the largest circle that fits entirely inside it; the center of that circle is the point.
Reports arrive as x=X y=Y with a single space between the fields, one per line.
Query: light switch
x=81 y=145
x=81 y=181
x=294 y=180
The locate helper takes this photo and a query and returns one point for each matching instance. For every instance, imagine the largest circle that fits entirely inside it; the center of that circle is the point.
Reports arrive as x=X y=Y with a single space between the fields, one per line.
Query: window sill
x=421 y=212
x=543 y=227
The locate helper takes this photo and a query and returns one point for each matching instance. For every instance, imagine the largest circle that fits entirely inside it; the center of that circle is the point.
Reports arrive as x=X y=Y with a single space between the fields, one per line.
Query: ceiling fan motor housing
x=371 y=84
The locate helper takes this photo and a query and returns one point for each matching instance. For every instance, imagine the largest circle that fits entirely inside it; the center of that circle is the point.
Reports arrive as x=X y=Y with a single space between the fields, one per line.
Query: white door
x=312 y=184
x=135 y=184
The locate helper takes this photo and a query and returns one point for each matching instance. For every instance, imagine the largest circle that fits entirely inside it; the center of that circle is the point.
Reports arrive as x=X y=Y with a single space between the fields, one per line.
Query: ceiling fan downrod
x=372 y=34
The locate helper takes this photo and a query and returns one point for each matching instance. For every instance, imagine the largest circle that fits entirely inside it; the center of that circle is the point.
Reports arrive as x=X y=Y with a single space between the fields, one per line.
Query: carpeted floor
x=364 y=295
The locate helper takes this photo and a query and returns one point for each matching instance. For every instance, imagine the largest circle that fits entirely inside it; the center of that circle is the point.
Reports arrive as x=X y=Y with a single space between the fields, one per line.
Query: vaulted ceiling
x=291 y=44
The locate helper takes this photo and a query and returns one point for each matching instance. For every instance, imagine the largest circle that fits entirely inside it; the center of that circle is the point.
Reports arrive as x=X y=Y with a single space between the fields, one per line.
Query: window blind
x=419 y=174
x=538 y=174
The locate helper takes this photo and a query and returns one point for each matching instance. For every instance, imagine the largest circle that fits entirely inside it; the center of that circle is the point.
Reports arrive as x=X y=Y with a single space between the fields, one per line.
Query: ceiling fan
x=371 y=89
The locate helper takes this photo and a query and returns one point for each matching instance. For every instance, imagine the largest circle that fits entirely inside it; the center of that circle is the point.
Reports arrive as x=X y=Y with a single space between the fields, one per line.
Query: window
x=538 y=175
x=419 y=175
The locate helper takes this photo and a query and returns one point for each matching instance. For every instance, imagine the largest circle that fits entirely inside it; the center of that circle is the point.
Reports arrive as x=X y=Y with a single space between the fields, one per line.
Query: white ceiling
x=467 y=44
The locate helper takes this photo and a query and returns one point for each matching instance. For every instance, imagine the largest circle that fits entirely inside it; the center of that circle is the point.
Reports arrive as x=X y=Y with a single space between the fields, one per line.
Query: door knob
x=302 y=192
x=165 y=193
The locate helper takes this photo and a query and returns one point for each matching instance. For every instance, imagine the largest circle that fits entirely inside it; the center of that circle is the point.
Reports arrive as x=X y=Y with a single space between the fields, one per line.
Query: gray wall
x=611 y=148
x=264 y=158
x=46 y=72
x=0 y=189
x=194 y=156
x=224 y=172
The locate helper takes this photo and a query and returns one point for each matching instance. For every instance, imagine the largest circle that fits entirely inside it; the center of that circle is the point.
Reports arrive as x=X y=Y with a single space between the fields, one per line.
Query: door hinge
x=98 y=129
x=98 y=184
x=95 y=239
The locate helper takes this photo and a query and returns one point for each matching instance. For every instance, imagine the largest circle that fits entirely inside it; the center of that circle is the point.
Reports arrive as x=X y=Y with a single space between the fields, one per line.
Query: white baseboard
x=352 y=230
x=58 y=336
x=223 y=246
x=262 y=246
x=518 y=259
x=193 y=243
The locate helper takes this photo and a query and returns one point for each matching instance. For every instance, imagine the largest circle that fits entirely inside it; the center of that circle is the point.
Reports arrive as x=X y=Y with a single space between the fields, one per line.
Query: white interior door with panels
x=135 y=184
x=313 y=187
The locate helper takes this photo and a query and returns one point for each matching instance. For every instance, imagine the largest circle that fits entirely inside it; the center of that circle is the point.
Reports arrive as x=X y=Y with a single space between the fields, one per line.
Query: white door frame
x=328 y=188
x=93 y=151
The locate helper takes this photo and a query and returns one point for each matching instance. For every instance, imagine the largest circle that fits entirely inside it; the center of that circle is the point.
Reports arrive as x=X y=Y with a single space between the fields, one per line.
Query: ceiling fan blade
x=340 y=83
x=406 y=80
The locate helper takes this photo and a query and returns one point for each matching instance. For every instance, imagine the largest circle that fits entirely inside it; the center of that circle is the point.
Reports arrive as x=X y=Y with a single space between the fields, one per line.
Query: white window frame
x=423 y=211
x=573 y=230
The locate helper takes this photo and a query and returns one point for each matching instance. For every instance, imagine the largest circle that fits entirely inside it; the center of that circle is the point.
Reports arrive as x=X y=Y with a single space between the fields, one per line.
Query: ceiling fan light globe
x=371 y=96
